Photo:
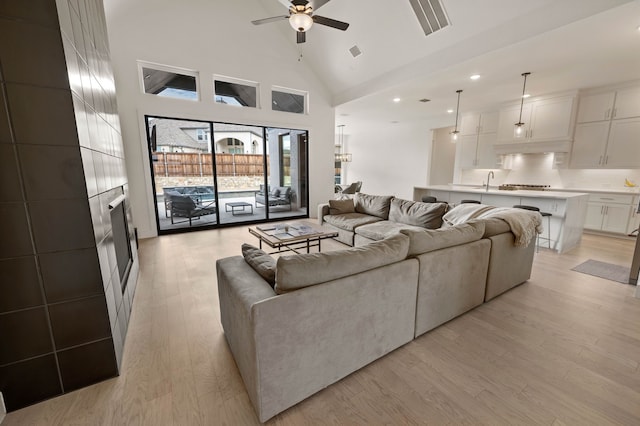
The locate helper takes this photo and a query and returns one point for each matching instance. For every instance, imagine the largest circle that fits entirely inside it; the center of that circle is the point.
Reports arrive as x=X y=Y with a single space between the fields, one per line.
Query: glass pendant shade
x=300 y=21
x=518 y=131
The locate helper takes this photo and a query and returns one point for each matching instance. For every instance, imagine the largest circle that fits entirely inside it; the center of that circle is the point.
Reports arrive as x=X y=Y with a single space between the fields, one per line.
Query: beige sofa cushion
x=383 y=229
x=341 y=206
x=303 y=270
x=349 y=221
x=494 y=226
x=374 y=205
x=424 y=241
x=426 y=215
x=261 y=262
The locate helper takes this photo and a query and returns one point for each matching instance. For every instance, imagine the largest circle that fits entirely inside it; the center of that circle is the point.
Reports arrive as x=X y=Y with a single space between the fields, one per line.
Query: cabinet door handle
x=600 y=161
x=601 y=210
x=606 y=114
x=615 y=112
x=606 y=198
x=606 y=159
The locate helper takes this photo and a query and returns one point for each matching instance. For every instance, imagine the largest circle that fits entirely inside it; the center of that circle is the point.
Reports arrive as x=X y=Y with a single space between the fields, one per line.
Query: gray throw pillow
x=261 y=262
x=341 y=206
x=373 y=205
x=426 y=215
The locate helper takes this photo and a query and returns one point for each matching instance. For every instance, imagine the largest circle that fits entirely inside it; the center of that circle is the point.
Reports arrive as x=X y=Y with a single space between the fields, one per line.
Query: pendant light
x=454 y=134
x=342 y=157
x=518 y=131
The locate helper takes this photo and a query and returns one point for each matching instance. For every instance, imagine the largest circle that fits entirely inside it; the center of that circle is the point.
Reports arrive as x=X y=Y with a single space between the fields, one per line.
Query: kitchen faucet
x=489 y=175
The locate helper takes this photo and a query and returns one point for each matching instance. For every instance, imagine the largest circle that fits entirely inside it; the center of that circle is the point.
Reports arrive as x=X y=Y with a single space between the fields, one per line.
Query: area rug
x=604 y=270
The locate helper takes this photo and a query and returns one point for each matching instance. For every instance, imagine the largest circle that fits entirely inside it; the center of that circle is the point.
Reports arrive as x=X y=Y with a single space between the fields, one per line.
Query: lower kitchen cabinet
x=609 y=213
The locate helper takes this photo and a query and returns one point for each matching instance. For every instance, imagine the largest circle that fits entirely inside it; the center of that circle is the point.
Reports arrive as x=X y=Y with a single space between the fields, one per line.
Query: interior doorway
x=443 y=157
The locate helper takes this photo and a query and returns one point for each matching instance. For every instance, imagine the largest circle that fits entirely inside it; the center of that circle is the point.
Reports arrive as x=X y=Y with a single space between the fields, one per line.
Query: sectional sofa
x=297 y=324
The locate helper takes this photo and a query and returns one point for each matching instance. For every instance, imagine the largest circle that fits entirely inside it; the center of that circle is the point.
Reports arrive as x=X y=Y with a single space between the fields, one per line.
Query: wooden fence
x=196 y=164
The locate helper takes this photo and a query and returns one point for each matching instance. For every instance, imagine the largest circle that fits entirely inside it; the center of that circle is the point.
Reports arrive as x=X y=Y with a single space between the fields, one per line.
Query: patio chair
x=276 y=196
x=184 y=206
x=349 y=191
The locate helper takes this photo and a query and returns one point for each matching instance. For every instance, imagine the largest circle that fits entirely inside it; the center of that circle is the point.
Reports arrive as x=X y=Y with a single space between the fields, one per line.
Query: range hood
x=532 y=147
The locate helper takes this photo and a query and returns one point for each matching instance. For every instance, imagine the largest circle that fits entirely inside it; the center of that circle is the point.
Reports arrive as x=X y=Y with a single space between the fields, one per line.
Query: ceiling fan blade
x=330 y=22
x=301 y=37
x=269 y=20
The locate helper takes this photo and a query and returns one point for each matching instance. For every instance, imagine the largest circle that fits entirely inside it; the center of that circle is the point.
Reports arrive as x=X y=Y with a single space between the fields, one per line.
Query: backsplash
x=538 y=169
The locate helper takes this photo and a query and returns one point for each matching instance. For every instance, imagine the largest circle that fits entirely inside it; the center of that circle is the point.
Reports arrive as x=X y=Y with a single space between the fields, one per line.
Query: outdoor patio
x=250 y=213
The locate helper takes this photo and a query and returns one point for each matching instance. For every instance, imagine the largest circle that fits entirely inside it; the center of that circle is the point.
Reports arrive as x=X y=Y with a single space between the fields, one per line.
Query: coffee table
x=236 y=207
x=293 y=236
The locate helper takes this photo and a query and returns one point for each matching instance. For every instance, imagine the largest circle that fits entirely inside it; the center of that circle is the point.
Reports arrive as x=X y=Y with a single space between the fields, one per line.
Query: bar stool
x=543 y=214
x=469 y=202
x=429 y=199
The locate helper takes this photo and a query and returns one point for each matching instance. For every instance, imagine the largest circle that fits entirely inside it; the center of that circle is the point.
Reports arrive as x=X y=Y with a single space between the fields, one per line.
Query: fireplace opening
x=120 y=232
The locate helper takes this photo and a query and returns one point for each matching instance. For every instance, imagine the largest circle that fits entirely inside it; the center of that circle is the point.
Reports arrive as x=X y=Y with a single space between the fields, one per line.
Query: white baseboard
x=3 y=409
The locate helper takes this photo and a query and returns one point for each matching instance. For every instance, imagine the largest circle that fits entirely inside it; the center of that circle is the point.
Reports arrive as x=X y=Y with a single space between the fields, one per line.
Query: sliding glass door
x=208 y=174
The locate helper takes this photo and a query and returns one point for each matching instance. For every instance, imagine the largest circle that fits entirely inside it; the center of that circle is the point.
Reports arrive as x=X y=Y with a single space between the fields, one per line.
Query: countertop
x=495 y=191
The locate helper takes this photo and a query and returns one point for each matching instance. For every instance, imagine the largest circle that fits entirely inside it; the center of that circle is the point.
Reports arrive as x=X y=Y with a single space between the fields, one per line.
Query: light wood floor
x=562 y=349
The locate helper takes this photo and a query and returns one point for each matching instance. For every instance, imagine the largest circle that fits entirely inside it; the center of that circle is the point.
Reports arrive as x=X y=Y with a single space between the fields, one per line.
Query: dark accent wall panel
x=63 y=317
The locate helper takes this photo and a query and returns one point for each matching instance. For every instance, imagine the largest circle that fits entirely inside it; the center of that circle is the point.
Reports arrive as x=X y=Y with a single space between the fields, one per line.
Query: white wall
x=211 y=37
x=389 y=158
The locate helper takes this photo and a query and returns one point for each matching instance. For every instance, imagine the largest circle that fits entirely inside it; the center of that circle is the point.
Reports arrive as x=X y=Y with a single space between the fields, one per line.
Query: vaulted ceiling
x=565 y=44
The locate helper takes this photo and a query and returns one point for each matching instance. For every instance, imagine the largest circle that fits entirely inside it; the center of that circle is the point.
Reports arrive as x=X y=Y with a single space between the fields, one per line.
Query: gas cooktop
x=521 y=186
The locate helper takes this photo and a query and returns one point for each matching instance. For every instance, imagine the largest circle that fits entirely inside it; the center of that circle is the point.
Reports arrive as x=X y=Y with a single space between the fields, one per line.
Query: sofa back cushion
x=435 y=239
x=374 y=205
x=425 y=215
x=261 y=262
x=341 y=206
x=304 y=270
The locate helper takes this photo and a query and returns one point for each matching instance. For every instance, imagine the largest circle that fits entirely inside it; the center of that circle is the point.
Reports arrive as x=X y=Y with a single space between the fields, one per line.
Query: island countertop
x=495 y=191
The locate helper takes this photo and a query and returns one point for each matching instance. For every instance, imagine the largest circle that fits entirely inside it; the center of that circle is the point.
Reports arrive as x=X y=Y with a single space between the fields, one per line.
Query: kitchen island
x=568 y=209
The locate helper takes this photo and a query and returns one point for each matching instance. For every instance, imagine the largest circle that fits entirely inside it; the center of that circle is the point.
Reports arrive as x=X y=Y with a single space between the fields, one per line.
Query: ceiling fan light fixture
x=300 y=22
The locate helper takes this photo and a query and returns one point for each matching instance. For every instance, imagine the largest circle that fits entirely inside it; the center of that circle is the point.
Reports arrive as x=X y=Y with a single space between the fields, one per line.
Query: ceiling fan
x=301 y=17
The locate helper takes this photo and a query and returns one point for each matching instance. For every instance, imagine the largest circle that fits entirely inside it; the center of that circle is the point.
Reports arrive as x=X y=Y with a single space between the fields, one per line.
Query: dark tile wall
x=63 y=315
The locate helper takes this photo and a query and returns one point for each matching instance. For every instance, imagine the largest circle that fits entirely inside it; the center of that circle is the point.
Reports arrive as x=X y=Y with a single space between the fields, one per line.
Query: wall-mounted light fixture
x=454 y=134
x=518 y=130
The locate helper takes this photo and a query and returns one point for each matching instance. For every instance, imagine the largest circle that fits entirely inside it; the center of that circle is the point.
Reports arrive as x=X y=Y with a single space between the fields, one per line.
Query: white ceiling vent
x=355 y=51
x=431 y=15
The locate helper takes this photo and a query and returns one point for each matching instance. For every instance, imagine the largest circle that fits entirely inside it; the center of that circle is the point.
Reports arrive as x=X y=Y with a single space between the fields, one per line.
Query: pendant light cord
x=524 y=88
x=458 y=108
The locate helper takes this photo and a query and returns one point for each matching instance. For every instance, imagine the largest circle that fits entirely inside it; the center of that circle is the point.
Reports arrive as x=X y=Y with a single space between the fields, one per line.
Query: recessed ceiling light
x=450 y=111
x=396 y=100
x=526 y=95
x=475 y=77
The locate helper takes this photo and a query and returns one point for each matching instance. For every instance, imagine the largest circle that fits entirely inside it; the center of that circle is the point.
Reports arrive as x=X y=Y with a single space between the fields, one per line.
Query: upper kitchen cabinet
x=475 y=145
x=623 y=103
x=476 y=123
x=596 y=107
x=548 y=119
x=608 y=133
x=627 y=103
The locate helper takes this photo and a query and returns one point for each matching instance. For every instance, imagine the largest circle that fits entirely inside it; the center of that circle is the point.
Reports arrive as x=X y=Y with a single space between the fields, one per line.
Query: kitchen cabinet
x=620 y=104
x=608 y=213
x=475 y=145
x=544 y=120
x=634 y=218
x=595 y=107
x=607 y=144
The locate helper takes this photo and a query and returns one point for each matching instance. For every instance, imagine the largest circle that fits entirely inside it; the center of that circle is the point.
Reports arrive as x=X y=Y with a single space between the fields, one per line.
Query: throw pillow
x=275 y=192
x=261 y=262
x=426 y=215
x=373 y=205
x=341 y=206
